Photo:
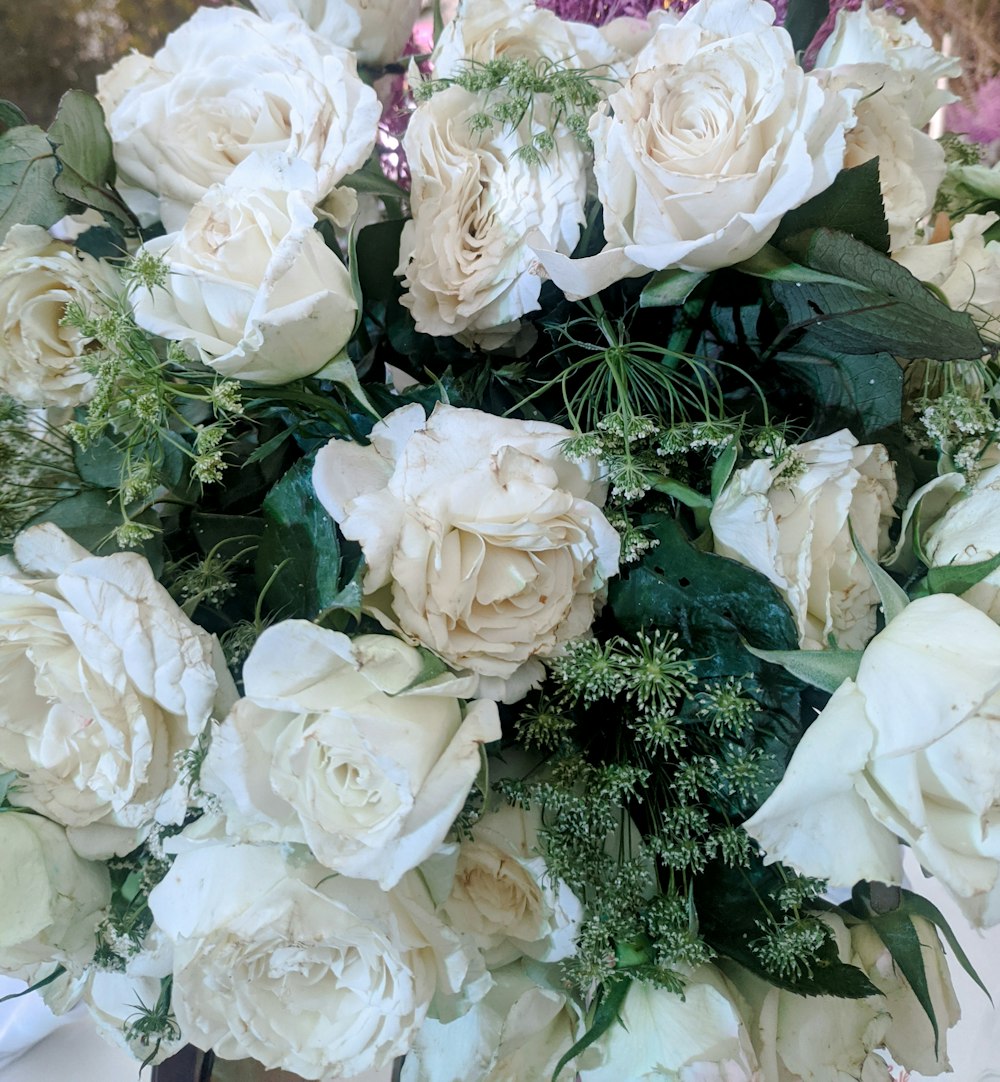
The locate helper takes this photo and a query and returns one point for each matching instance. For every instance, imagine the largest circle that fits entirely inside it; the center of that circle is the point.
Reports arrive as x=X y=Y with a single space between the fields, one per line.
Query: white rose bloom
x=228 y=83
x=463 y=256
x=106 y=682
x=966 y=268
x=700 y=1037
x=40 y=357
x=252 y=287
x=911 y=164
x=376 y=30
x=483 y=30
x=52 y=899
x=908 y=749
x=503 y=896
x=314 y=973
x=519 y=1031
x=329 y=748
x=482 y=542
x=717 y=133
x=878 y=36
x=794 y=529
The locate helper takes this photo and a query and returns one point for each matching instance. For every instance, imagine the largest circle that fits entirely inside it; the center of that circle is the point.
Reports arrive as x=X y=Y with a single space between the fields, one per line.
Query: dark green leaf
x=889 y=311
x=607 y=1013
x=7 y=778
x=372 y=180
x=956 y=578
x=682 y=493
x=803 y=19
x=84 y=151
x=99 y=464
x=852 y=204
x=377 y=259
x=53 y=976
x=669 y=287
x=27 y=180
x=301 y=538
x=772 y=264
x=226 y=534
x=11 y=116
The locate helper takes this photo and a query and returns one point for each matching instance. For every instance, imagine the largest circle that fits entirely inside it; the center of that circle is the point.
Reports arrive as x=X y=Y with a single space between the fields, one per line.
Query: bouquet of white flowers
x=502 y=542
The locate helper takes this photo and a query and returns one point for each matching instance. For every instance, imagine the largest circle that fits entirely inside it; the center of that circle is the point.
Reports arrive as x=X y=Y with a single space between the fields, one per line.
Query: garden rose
x=314 y=973
x=40 y=356
x=52 y=899
x=698 y=1037
x=330 y=748
x=482 y=542
x=716 y=134
x=252 y=288
x=464 y=260
x=790 y=520
x=503 y=896
x=107 y=682
x=908 y=749
x=227 y=84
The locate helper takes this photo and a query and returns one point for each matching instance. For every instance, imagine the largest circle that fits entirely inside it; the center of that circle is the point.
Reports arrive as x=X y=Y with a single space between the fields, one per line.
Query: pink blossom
x=980 y=121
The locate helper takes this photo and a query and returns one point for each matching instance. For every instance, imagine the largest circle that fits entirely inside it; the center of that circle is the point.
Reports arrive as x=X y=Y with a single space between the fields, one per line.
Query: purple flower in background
x=980 y=121
x=598 y=12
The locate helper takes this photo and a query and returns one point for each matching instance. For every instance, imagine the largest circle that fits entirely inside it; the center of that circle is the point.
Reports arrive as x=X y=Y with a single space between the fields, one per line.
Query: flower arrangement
x=496 y=584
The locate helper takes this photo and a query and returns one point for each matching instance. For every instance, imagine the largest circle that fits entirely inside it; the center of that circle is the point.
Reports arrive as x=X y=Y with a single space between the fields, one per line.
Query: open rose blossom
x=330 y=748
x=106 y=683
x=483 y=542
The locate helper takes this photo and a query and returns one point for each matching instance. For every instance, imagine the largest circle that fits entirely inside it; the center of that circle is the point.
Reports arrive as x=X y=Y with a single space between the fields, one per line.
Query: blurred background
x=52 y=45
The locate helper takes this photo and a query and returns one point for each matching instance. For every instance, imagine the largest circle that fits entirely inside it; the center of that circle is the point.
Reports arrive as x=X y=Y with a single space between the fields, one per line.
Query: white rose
x=484 y=30
x=698 y=1037
x=252 y=287
x=717 y=133
x=314 y=973
x=376 y=30
x=503 y=895
x=52 y=899
x=463 y=256
x=794 y=528
x=911 y=164
x=226 y=84
x=106 y=683
x=40 y=356
x=482 y=542
x=329 y=748
x=519 y=1031
x=878 y=36
x=908 y=749
x=966 y=268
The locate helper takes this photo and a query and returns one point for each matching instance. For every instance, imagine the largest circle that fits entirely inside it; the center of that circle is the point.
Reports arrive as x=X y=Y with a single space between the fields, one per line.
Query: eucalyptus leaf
x=669 y=287
x=823 y=669
x=99 y=463
x=28 y=170
x=955 y=578
x=893 y=597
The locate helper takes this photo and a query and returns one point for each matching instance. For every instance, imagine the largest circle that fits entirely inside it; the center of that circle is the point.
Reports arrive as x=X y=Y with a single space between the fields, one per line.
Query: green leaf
x=863 y=393
x=955 y=578
x=302 y=539
x=11 y=116
x=100 y=463
x=53 y=976
x=723 y=467
x=607 y=1013
x=682 y=493
x=371 y=180
x=28 y=171
x=852 y=204
x=7 y=778
x=823 y=669
x=803 y=19
x=377 y=258
x=226 y=534
x=84 y=151
x=893 y=597
x=888 y=311
x=772 y=264
x=669 y=287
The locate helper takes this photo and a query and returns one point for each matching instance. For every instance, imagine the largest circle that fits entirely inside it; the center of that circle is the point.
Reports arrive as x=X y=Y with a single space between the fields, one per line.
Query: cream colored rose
x=714 y=136
x=331 y=749
x=314 y=973
x=482 y=542
x=907 y=750
x=375 y=30
x=503 y=896
x=463 y=256
x=698 y=1037
x=227 y=84
x=966 y=268
x=252 y=288
x=878 y=36
x=52 y=899
x=40 y=355
x=519 y=1031
x=106 y=683
x=791 y=522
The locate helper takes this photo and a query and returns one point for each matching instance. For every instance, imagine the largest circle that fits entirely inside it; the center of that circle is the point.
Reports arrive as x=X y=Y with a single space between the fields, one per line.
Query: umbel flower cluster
x=501 y=533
